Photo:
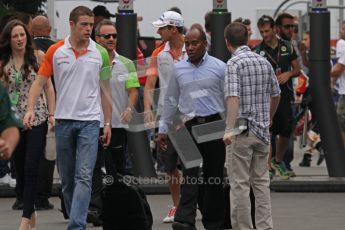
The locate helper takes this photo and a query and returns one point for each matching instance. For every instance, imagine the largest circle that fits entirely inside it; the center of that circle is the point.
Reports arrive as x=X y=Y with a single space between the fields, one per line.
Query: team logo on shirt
x=262 y=53
x=63 y=62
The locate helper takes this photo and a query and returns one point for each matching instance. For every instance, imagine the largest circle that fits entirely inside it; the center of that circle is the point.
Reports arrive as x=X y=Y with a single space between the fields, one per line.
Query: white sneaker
x=5 y=179
x=170 y=217
x=12 y=182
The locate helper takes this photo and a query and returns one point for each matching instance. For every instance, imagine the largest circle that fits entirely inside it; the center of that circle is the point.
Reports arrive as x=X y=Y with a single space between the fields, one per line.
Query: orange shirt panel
x=46 y=68
x=153 y=68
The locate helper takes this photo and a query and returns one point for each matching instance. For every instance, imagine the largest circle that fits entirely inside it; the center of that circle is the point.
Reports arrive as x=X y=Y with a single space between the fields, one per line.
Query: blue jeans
x=76 y=146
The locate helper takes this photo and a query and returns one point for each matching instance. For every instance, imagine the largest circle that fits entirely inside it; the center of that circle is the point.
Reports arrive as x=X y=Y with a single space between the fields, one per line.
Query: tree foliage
x=25 y=6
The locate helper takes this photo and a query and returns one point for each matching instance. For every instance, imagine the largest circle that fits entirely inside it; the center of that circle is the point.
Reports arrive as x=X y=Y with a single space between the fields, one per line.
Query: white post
x=220 y=5
x=341 y=14
x=319 y=4
x=51 y=16
x=126 y=5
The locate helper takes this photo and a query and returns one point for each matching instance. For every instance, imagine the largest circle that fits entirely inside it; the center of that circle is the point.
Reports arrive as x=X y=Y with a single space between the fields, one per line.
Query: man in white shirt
x=82 y=86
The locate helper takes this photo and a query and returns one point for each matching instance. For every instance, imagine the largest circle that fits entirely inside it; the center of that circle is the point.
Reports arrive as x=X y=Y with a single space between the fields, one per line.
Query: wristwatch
x=107 y=124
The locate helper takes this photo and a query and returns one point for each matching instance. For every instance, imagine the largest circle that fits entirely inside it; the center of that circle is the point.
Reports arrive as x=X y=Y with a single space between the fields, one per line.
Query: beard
x=283 y=36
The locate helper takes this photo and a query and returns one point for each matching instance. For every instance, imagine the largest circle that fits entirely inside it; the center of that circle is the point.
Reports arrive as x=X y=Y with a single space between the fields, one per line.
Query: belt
x=203 y=120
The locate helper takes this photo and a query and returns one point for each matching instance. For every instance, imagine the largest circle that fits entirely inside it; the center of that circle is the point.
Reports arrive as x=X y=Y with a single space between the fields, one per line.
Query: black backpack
x=124 y=205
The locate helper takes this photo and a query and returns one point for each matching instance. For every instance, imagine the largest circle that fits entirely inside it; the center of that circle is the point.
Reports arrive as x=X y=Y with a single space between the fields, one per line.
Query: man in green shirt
x=9 y=134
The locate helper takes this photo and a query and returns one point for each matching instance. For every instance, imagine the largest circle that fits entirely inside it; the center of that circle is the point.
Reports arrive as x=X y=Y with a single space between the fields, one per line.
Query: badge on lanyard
x=14 y=98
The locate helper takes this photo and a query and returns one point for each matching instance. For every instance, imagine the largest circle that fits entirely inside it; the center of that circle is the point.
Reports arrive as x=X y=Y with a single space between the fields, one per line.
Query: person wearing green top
x=9 y=133
x=124 y=83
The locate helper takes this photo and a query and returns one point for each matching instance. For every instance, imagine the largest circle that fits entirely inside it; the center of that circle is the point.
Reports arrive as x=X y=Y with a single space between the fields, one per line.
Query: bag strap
x=108 y=160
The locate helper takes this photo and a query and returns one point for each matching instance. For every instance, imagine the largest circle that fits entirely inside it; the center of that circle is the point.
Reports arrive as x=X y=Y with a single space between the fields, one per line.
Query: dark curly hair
x=30 y=60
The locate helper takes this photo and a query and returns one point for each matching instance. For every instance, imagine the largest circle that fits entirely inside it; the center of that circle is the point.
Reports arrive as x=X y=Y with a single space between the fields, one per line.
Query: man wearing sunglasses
x=124 y=83
x=283 y=58
x=286 y=28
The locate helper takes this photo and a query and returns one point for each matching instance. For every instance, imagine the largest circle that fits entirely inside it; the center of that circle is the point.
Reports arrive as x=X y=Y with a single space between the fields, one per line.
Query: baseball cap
x=169 y=18
x=102 y=11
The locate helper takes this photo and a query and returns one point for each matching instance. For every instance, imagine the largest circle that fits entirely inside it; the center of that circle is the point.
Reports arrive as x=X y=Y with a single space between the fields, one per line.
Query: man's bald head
x=41 y=26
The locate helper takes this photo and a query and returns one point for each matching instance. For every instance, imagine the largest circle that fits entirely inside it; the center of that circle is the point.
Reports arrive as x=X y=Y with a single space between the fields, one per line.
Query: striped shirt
x=251 y=78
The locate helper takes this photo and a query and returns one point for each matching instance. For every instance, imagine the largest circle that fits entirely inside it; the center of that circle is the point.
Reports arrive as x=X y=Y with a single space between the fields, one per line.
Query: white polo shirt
x=77 y=79
x=165 y=63
x=340 y=48
x=341 y=79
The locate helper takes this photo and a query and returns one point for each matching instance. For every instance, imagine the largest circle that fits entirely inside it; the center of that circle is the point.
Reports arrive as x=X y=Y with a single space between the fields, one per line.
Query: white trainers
x=5 y=179
x=170 y=217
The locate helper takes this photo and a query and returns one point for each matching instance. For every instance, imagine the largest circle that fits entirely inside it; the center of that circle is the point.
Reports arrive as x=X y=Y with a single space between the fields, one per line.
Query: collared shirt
x=197 y=90
x=123 y=77
x=76 y=79
x=251 y=78
x=280 y=57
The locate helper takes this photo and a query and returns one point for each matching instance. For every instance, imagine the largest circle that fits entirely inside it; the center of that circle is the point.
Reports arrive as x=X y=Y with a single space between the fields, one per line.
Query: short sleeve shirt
x=153 y=69
x=341 y=79
x=280 y=57
x=252 y=78
x=124 y=77
x=165 y=63
x=76 y=79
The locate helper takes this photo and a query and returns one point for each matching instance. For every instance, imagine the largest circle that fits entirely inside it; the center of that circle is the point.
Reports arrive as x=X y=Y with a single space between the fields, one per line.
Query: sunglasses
x=107 y=36
x=288 y=26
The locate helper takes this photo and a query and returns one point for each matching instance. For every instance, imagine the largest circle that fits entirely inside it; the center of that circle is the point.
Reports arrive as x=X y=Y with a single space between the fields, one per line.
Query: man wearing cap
x=100 y=13
x=195 y=91
x=170 y=28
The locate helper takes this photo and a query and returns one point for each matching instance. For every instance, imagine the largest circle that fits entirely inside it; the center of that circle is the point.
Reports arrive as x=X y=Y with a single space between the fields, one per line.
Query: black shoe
x=94 y=218
x=182 y=226
x=43 y=205
x=306 y=160
x=18 y=205
x=321 y=156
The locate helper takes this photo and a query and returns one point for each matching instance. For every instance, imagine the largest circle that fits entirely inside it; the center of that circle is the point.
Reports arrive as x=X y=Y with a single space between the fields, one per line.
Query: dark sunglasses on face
x=107 y=36
x=288 y=26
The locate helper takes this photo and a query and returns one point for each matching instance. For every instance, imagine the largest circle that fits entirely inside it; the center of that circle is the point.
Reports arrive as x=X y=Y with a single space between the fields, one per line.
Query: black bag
x=124 y=205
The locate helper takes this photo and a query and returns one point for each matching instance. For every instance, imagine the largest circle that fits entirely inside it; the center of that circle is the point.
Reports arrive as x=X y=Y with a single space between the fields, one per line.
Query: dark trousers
x=117 y=149
x=4 y=168
x=211 y=200
x=27 y=157
x=45 y=179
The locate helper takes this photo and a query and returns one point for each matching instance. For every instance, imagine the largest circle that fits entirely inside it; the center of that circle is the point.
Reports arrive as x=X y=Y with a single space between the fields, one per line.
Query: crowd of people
x=88 y=93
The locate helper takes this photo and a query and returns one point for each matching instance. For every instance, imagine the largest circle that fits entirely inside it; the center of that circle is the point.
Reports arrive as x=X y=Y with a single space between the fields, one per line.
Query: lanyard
x=14 y=95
